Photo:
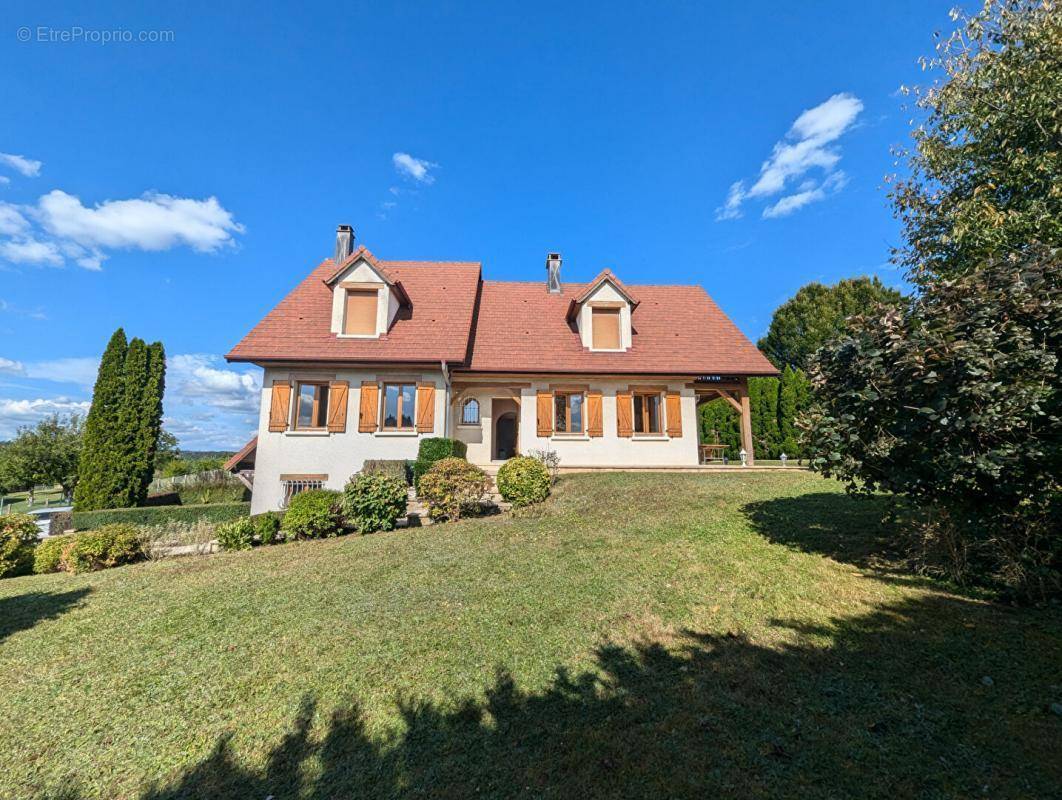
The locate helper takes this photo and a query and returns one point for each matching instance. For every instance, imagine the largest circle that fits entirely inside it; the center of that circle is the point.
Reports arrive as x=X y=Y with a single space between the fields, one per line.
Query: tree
x=168 y=449
x=44 y=455
x=794 y=398
x=100 y=478
x=985 y=173
x=816 y=314
x=763 y=399
x=130 y=423
x=150 y=431
x=956 y=403
x=720 y=424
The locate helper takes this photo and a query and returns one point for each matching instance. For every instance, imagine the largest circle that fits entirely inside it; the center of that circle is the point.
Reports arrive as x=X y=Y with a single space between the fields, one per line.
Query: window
x=399 y=406
x=606 y=328
x=647 y=412
x=360 y=314
x=293 y=484
x=568 y=412
x=312 y=410
x=470 y=412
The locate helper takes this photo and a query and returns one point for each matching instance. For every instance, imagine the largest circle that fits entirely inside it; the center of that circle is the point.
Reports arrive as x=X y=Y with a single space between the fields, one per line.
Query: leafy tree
x=100 y=477
x=985 y=172
x=44 y=455
x=816 y=314
x=794 y=398
x=957 y=404
x=168 y=449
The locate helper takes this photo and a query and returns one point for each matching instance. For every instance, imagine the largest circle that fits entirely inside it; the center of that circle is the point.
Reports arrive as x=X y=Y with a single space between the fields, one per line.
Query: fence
x=160 y=485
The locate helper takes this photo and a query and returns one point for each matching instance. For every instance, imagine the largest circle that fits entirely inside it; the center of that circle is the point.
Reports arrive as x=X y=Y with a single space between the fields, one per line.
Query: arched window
x=470 y=412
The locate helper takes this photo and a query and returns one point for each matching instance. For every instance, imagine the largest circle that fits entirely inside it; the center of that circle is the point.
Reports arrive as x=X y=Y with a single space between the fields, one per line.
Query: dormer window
x=360 y=312
x=605 y=324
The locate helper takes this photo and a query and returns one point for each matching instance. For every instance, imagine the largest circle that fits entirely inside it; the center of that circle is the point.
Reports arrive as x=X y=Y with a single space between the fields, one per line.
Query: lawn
x=18 y=502
x=650 y=635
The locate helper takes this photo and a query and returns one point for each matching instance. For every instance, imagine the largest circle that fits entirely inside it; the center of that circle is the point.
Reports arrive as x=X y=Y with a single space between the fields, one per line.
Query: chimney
x=344 y=243
x=553 y=265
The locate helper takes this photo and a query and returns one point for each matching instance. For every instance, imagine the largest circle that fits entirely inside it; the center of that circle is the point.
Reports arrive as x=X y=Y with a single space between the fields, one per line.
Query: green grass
x=18 y=502
x=649 y=635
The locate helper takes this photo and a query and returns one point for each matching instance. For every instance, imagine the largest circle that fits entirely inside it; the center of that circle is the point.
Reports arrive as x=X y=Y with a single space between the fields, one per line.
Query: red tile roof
x=436 y=327
x=676 y=330
x=243 y=453
x=518 y=327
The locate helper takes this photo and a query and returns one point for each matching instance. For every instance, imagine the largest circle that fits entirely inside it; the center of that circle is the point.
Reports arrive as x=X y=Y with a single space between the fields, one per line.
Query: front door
x=505 y=436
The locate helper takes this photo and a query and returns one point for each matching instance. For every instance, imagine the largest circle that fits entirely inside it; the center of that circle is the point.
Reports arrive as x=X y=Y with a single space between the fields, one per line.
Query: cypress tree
x=98 y=473
x=763 y=399
x=150 y=423
x=129 y=423
x=718 y=419
x=794 y=398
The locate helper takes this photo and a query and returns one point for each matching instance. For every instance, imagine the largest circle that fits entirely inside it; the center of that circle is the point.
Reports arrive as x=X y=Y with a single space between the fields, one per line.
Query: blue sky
x=180 y=186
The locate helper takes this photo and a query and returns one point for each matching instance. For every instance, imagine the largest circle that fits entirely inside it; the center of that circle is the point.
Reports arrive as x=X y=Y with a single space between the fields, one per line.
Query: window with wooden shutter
x=647 y=412
x=280 y=406
x=425 y=407
x=337 y=406
x=311 y=405
x=674 y=414
x=545 y=413
x=605 y=333
x=624 y=415
x=595 y=425
x=359 y=316
x=370 y=394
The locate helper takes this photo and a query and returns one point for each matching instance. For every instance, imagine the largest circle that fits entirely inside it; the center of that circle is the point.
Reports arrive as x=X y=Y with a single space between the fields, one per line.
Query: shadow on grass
x=845 y=528
x=890 y=703
x=26 y=610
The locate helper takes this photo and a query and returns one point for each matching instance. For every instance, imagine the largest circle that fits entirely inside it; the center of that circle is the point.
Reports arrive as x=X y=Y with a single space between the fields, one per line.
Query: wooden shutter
x=425 y=407
x=624 y=415
x=674 y=414
x=280 y=406
x=360 y=312
x=595 y=425
x=605 y=324
x=545 y=413
x=370 y=396
x=337 y=406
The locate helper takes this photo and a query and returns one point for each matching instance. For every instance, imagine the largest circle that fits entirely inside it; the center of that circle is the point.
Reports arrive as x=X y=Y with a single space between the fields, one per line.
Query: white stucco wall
x=337 y=455
x=609 y=450
x=605 y=293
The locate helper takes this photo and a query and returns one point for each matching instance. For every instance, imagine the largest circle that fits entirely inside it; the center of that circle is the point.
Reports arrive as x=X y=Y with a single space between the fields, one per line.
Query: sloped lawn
x=637 y=636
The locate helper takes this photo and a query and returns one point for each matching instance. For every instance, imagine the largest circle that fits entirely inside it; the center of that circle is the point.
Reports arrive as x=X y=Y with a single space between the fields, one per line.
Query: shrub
x=157 y=540
x=267 y=527
x=313 y=514
x=108 y=546
x=395 y=468
x=18 y=533
x=373 y=501
x=550 y=459
x=212 y=491
x=238 y=534
x=435 y=449
x=523 y=480
x=452 y=488
x=48 y=555
x=160 y=515
x=60 y=522
x=162 y=499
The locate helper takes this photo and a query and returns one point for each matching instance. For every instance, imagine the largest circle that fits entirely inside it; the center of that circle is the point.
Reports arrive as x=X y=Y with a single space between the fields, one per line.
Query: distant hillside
x=195 y=455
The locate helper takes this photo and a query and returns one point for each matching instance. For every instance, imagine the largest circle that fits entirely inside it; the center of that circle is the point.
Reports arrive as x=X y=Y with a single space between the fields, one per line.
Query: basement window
x=312 y=411
x=295 y=484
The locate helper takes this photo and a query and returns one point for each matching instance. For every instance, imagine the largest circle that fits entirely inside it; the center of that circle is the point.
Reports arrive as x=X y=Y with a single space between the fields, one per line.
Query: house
x=366 y=356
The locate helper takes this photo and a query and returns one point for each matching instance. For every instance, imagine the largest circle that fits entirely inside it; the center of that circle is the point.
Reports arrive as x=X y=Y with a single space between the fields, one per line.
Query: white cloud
x=4 y=180
x=26 y=166
x=80 y=371
x=67 y=230
x=15 y=414
x=805 y=147
x=416 y=168
x=8 y=308
x=9 y=366
x=197 y=381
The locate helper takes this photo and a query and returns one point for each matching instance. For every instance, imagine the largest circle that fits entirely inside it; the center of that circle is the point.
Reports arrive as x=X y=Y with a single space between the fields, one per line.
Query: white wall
x=609 y=450
x=337 y=455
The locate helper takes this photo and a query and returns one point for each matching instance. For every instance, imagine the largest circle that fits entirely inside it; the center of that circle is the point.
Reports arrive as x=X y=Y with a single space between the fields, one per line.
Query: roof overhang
x=362 y=254
x=606 y=276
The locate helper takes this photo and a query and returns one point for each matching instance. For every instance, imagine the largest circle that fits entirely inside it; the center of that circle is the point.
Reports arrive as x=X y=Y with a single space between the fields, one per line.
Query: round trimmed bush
x=105 y=547
x=523 y=480
x=452 y=488
x=313 y=514
x=373 y=501
x=18 y=534
x=48 y=556
x=237 y=534
x=267 y=527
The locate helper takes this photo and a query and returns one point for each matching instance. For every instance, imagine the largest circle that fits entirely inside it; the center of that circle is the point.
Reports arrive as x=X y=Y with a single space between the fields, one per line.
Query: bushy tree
x=720 y=424
x=44 y=455
x=100 y=478
x=956 y=403
x=985 y=172
x=763 y=397
x=794 y=398
x=816 y=314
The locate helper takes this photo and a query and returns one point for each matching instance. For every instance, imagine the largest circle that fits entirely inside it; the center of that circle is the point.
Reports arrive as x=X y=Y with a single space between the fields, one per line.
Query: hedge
x=160 y=515
x=434 y=449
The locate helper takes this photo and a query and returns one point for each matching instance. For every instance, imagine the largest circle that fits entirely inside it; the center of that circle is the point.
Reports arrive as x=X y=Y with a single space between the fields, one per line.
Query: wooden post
x=746 y=424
